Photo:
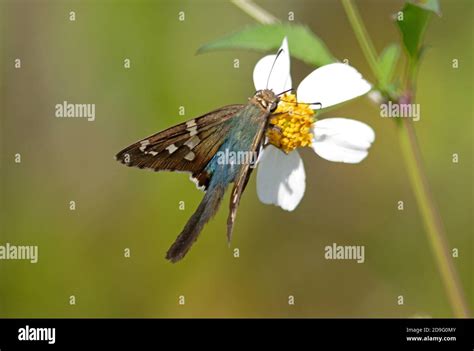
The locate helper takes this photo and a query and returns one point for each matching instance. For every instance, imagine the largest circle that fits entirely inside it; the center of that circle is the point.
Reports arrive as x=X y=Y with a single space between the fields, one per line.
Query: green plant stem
x=412 y=155
x=255 y=11
x=363 y=37
x=432 y=220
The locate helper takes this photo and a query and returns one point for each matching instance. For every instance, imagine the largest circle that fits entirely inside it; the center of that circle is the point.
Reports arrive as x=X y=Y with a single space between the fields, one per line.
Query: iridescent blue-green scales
x=196 y=146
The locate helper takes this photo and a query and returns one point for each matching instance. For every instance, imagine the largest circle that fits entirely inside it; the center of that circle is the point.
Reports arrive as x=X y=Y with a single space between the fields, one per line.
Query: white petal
x=342 y=139
x=279 y=80
x=281 y=179
x=332 y=84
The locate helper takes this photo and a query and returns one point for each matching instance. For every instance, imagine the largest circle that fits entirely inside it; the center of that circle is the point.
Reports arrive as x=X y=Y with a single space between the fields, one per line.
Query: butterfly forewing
x=187 y=147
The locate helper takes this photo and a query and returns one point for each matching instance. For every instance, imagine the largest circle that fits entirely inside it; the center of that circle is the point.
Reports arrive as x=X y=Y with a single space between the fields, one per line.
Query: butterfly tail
x=205 y=211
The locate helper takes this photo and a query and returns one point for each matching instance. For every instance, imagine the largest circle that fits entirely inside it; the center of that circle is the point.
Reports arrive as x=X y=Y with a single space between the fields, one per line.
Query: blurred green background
x=81 y=252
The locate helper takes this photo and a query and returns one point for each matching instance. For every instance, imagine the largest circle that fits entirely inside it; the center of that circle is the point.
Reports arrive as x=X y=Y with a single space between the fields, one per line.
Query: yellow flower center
x=290 y=124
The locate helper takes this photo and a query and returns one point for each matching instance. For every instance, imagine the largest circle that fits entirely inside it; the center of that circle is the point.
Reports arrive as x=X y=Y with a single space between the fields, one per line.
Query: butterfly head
x=266 y=99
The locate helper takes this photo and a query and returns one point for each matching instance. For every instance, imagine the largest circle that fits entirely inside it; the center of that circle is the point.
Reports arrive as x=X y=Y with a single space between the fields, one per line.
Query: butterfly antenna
x=314 y=103
x=284 y=92
x=273 y=65
x=320 y=105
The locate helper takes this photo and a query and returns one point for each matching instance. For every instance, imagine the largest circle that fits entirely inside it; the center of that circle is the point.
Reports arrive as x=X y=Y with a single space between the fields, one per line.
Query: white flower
x=280 y=175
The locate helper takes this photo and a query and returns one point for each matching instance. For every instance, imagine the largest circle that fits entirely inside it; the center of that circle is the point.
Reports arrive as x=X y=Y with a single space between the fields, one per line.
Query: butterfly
x=197 y=146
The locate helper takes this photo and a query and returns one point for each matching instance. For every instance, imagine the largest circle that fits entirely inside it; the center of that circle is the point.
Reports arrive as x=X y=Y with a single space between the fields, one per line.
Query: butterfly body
x=242 y=130
x=199 y=146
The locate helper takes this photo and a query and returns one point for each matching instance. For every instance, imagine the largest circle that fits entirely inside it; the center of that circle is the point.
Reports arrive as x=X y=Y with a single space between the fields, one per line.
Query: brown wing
x=243 y=178
x=188 y=146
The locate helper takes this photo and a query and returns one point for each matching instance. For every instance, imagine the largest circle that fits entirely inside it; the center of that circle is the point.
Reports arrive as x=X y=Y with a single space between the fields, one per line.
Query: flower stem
x=419 y=183
x=432 y=220
x=255 y=11
x=362 y=36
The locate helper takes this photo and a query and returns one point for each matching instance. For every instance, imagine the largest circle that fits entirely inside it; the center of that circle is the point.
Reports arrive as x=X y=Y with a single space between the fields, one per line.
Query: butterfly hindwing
x=186 y=147
x=244 y=175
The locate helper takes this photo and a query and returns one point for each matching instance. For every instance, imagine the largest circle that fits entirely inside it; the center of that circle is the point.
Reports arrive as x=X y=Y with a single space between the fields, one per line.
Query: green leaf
x=303 y=44
x=387 y=62
x=412 y=24
x=429 y=5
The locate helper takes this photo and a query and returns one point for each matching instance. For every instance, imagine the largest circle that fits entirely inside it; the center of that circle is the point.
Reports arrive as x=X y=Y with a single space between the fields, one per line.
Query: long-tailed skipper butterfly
x=196 y=146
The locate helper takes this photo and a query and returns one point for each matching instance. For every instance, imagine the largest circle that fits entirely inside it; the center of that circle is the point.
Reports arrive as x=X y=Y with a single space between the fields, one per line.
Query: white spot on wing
x=144 y=144
x=192 y=131
x=172 y=148
x=190 y=156
x=192 y=142
x=190 y=124
x=195 y=181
